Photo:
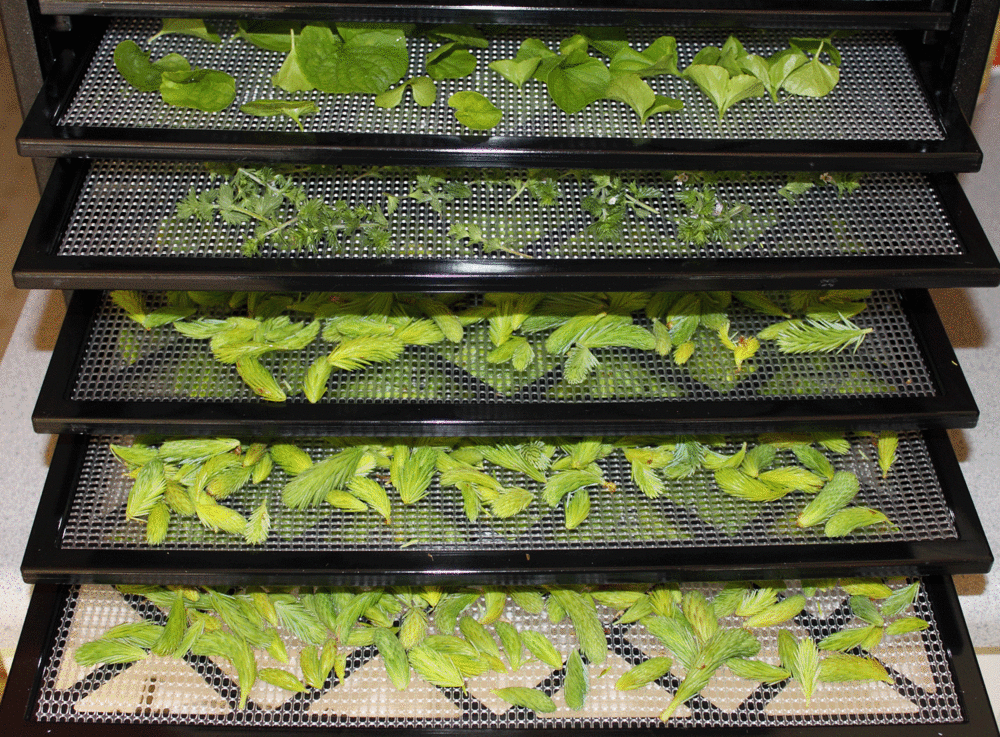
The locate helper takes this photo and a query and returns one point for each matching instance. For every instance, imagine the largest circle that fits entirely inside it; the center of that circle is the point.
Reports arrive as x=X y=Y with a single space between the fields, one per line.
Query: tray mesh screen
x=203 y=692
x=878 y=97
x=692 y=513
x=127 y=209
x=124 y=362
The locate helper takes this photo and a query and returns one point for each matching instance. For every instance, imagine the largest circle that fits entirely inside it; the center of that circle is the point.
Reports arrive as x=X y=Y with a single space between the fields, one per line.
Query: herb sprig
x=284 y=216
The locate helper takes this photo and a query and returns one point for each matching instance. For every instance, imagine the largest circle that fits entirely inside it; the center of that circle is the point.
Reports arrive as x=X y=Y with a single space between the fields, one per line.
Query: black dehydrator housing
x=901 y=114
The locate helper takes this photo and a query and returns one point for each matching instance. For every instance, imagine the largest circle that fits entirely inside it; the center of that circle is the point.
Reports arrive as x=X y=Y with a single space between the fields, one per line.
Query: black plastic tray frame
x=895 y=14
x=39 y=267
x=42 y=621
x=40 y=136
x=46 y=561
x=953 y=406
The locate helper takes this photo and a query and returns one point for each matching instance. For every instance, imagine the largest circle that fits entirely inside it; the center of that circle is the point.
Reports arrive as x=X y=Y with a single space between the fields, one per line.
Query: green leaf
x=311 y=485
x=423 y=88
x=147 y=490
x=258 y=526
x=108 y=651
x=514 y=71
x=639 y=96
x=780 y=65
x=290 y=77
x=904 y=625
x=589 y=629
x=373 y=494
x=270 y=35
x=173 y=632
x=465 y=35
x=529 y=698
x=660 y=57
x=259 y=379
x=886 y=446
x=834 y=496
x=450 y=61
x=840 y=667
x=510 y=640
x=677 y=636
x=367 y=63
x=577 y=508
x=577 y=682
x=475 y=111
x=397 y=667
x=722 y=89
x=848 y=520
x=643 y=674
x=134 y=65
x=435 y=667
x=208 y=90
x=532 y=48
x=424 y=91
x=608 y=40
x=802 y=659
x=542 y=648
x=580 y=363
x=412 y=473
x=282 y=679
x=757 y=670
x=187 y=27
x=511 y=501
x=294 y=109
x=847 y=639
x=863 y=608
x=899 y=601
x=813 y=79
x=576 y=81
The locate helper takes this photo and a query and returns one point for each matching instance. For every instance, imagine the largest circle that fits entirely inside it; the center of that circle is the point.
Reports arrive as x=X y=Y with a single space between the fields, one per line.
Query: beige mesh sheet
x=202 y=691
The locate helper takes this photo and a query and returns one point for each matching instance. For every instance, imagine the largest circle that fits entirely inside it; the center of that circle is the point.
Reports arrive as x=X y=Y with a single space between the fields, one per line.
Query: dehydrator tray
x=114 y=225
x=692 y=531
x=936 y=688
x=895 y=14
x=109 y=375
x=877 y=119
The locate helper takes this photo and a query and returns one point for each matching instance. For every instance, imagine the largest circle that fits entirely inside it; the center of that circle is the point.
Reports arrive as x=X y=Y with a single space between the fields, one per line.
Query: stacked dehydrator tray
x=900 y=114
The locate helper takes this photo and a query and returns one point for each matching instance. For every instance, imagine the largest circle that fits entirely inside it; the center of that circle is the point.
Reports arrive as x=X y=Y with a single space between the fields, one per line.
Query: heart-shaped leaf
x=475 y=111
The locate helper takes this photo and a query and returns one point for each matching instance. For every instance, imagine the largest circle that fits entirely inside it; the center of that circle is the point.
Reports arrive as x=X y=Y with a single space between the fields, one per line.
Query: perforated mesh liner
x=203 y=692
x=692 y=513
x=127 y=208
x=878 y=97
x=163 y=365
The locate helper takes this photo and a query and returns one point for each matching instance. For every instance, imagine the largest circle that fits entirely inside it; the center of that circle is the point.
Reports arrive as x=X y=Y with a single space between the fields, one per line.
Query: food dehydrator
x=118 y=161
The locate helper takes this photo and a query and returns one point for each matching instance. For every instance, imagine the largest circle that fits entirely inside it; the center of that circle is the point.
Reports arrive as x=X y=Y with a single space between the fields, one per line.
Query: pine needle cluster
x=362 y=329
x=493 y=480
